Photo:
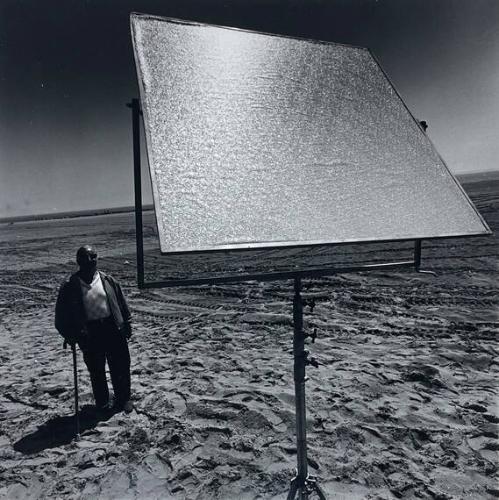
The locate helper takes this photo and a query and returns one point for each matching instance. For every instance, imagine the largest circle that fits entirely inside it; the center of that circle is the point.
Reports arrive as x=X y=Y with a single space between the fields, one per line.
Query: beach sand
x=404 y=403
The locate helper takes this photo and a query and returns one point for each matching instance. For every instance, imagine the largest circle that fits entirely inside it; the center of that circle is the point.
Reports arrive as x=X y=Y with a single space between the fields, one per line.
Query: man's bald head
x=86 y=257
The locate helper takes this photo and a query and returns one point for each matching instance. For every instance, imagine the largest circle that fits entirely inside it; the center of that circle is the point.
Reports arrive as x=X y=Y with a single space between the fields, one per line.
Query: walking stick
x=75 y=376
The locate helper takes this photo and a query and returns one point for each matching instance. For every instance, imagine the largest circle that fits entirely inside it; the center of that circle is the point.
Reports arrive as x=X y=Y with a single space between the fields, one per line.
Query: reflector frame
x=257 y=140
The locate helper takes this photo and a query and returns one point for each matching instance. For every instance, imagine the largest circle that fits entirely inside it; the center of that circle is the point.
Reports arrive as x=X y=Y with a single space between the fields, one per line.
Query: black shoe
x=127 y=406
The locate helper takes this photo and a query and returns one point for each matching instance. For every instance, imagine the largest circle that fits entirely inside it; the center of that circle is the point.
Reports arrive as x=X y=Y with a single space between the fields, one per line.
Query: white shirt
x=95 y=299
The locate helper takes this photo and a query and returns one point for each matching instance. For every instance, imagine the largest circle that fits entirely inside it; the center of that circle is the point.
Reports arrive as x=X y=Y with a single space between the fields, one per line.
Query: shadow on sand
x=59 y=431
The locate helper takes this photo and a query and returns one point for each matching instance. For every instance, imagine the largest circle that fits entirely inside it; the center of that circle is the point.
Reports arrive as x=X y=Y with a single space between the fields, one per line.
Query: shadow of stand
x=59 y=431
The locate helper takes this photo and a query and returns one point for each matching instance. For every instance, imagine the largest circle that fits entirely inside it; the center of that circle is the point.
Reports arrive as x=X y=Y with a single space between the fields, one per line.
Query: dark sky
x=67 y=70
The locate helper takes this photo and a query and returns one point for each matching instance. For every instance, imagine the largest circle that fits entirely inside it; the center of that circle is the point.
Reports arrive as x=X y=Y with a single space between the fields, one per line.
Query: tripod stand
x=302 y=484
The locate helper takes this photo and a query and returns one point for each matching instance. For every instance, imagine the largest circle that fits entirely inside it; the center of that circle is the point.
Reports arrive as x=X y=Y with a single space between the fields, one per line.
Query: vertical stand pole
x=75 y=376
x=137 y=177
x=299 y=377
x=417 y=259
x=302 y=484
x=417 y=255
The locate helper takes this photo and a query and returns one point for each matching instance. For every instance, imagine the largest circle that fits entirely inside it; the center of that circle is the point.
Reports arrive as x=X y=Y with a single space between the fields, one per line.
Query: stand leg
x=313 y=487
x=310 y=486
x=293 y=489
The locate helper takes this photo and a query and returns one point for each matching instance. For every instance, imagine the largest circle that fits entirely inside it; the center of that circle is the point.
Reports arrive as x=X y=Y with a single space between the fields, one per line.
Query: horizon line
x=463 y=177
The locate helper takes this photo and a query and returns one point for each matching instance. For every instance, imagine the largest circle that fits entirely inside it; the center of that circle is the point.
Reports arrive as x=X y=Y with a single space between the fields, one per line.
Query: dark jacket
x=70 y=314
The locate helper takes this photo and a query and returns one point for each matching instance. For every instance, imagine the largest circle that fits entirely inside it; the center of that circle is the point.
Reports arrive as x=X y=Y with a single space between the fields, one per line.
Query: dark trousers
x=106 y=343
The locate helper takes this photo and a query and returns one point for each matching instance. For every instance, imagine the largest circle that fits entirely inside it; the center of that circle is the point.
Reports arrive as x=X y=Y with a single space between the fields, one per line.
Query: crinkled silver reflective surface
x=257 y=140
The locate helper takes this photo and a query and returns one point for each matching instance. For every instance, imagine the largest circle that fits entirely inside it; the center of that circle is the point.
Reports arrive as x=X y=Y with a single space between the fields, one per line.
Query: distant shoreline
x=465 y=179
x=492 y=175
x=72 y=215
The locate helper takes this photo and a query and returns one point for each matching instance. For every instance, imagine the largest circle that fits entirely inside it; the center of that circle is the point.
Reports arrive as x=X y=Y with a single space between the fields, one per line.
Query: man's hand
x=71 y=342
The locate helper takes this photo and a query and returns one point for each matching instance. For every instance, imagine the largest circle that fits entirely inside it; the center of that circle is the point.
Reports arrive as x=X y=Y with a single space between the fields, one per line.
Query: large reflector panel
x=258 y=140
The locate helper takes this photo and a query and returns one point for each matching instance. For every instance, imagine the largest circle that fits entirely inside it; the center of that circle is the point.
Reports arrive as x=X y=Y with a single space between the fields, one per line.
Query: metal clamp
x=312 y=335
x=310 y=360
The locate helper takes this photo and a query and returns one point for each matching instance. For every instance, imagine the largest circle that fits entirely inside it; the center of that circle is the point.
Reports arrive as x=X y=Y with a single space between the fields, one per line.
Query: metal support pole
x=75 y=376
x=137 y=176
x=302 y=484
x=417 y=255
x=299 y=377
x=417 y=259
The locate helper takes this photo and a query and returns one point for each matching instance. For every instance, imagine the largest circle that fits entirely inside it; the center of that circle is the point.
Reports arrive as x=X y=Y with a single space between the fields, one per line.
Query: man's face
x=88 y=259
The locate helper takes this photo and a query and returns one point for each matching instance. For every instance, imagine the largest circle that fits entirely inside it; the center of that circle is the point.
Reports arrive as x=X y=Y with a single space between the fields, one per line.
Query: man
x=91 y=311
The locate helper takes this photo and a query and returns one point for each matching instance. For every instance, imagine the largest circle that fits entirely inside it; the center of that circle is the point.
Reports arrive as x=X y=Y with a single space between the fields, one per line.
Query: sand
x=404 y=403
